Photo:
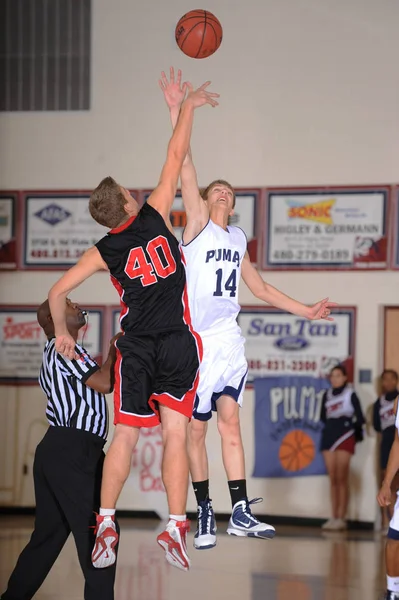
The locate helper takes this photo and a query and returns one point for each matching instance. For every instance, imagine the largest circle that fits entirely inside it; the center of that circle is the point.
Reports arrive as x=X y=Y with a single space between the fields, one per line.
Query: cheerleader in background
x=343 y=426
x=384 y=423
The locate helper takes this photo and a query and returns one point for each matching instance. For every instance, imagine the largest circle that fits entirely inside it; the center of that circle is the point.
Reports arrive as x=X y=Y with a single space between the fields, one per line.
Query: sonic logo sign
x=279 y=344
x=321 y=229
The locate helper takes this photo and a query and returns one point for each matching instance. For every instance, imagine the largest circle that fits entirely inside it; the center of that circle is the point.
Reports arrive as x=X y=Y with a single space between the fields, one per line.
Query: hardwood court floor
x=299 y=564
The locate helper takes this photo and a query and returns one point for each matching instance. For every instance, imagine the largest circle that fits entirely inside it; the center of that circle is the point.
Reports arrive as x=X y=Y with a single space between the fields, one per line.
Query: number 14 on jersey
x=230 y=285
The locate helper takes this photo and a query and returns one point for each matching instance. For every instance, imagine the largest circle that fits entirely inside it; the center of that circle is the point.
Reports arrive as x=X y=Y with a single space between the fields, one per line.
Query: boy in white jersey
x=384 y=499
x=216 y=256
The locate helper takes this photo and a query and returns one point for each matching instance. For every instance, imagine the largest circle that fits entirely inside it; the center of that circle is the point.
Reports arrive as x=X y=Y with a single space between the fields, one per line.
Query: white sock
x=393 y=584
x=107 y=512
x=177 y=517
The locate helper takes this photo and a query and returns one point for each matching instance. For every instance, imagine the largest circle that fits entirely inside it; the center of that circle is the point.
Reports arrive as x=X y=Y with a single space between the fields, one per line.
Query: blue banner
x=288 y=427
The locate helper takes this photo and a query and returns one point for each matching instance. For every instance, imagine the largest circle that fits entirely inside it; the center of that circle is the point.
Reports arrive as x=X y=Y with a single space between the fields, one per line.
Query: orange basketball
x=198 y=34
x=297 y=451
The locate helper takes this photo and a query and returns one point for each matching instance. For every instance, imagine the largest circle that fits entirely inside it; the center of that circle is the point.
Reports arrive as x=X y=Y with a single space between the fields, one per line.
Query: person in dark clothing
x=384 y=423
x=343 y=420
x=68 y=463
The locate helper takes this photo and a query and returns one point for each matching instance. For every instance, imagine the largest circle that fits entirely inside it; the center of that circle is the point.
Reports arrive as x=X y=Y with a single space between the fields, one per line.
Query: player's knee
x=229 y=427
x=175 y=432
x=197 y=431
x=126 y=436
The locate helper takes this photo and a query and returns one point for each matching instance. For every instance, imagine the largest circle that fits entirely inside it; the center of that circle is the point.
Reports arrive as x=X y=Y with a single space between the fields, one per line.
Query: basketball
x=198 y=34
x=297 y=451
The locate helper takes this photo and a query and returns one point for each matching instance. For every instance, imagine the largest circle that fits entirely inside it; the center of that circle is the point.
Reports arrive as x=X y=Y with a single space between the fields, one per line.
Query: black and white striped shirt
x=71 y=403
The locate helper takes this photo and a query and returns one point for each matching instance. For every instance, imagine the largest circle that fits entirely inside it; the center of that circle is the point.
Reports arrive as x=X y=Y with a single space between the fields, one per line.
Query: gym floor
x=299 y=564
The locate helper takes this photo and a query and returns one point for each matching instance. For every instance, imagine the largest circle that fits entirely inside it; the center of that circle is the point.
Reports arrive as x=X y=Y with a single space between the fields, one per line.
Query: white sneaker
x=205 y=536
x=103 y=554
x=329 y=525
x=243 y=523
x=174 y=541
x=340 y=524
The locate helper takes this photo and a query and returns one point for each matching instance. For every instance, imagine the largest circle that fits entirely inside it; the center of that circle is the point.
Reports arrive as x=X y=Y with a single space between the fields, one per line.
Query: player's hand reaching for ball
x=201 y=96
x=174 y=92
x=384 y=495
x=65 y=345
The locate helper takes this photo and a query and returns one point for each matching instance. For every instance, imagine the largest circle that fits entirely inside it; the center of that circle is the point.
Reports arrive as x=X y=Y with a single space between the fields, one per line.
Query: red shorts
x=155 y=369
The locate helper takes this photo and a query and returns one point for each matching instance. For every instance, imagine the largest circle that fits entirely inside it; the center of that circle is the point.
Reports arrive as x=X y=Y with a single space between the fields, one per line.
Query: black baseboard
x=149 y=514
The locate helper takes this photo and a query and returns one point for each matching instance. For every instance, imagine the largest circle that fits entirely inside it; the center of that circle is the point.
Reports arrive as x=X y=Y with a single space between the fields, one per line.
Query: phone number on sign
x=282 y=365
x=57 y=253
x=312 y=255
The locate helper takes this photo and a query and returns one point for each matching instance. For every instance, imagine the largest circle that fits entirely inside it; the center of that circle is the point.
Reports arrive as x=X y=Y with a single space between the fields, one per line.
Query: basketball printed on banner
x=297 y=451
x=199 y=34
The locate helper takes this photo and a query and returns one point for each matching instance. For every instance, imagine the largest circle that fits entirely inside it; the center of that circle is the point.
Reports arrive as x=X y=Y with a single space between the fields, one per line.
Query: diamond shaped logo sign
x=53 y=214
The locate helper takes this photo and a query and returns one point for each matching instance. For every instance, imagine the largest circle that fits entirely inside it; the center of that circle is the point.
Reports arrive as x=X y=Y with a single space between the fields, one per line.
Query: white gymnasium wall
x=309 y=96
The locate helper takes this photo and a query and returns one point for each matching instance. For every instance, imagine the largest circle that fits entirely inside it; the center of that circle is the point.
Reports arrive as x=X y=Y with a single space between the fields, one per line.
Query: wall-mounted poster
x=333 y=228
x=281 y=344
x=23 y=342
x=8 y=241
x=58 y=228
x=246 y=213
x=395 y=227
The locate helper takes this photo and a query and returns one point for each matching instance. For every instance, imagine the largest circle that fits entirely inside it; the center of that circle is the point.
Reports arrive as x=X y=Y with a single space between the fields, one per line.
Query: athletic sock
x=238 y=490
x=177 y=518
x=393 y=584
x=201 y=490
x=107 y=512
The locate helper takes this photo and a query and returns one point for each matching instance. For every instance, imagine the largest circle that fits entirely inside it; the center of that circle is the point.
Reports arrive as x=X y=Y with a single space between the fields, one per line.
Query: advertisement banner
x=329 y=229
x=23 y=342
x=58 y=229
x=8 y=243
x=287 y=426
x=279 y=343
x=395 y=223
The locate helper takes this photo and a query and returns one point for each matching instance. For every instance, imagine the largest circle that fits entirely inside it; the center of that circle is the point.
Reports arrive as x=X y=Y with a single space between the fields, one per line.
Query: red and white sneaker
x=103 y=554
x=174 y=541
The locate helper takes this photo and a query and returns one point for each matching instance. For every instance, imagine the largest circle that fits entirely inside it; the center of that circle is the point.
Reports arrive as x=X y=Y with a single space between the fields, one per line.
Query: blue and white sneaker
x=243 y=523
x=391 y=596
x=205 y=536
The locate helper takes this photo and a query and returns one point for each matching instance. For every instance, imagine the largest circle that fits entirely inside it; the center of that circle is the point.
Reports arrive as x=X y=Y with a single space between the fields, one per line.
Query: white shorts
x=223 y=371
x=393 y=531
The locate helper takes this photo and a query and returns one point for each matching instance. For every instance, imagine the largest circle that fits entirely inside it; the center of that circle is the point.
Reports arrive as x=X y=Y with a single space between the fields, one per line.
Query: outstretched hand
x=321 y=310
x=174 y=92
x=201 y=96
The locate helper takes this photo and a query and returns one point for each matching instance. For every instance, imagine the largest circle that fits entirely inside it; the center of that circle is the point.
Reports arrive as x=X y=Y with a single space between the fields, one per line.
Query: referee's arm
x=86 y=370
x=102 y=380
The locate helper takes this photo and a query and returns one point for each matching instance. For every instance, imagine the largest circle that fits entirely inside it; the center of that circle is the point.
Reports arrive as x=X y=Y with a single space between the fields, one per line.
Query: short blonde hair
x=205 y=192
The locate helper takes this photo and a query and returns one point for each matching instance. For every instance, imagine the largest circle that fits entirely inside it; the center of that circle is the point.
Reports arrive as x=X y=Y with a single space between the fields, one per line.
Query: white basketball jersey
x=213 y=269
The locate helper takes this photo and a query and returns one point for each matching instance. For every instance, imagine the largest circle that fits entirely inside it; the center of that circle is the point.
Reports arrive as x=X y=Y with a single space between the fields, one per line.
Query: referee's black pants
x=67 y=476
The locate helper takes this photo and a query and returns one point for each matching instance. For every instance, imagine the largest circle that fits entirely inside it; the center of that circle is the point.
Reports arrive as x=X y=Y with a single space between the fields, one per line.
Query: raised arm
x=266 y=292
x=163 y=196
x=88 y=264
x=196 y=210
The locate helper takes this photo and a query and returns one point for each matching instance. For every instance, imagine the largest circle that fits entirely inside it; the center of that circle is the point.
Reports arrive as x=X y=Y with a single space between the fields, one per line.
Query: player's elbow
x=56 y=293
x=260 y=291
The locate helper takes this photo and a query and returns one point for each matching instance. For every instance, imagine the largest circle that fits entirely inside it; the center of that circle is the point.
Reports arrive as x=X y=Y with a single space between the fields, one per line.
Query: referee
x=68 y=463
